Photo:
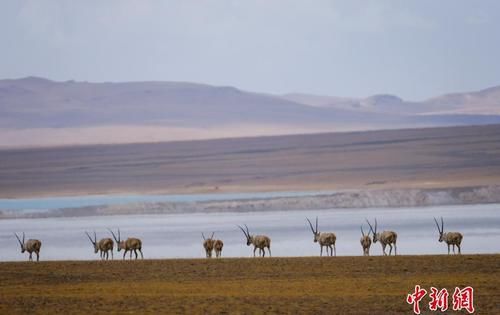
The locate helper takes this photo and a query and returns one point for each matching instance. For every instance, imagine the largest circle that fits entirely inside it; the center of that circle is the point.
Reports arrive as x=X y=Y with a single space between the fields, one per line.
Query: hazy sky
x=415 y=49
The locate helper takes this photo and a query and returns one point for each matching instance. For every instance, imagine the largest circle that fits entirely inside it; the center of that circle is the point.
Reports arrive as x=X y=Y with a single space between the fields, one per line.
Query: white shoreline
x=352 y=199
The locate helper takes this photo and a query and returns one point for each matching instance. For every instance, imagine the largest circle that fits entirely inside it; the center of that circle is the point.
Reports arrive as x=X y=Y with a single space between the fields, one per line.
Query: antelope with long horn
x=366 y=242
x=259 y=241
x=130 y=244
x=324 y=239
x=218 y=244
x=450 y=238
x=30 y=246
x=208 y=244
x=385 y=238
x=104 y=246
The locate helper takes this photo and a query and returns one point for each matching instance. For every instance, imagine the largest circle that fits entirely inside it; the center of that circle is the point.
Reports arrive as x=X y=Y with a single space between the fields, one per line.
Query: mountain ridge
x=35 y=110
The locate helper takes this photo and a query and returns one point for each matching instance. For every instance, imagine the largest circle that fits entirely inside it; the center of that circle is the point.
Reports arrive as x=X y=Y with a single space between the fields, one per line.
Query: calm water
x=84 y=201
x=169 y=236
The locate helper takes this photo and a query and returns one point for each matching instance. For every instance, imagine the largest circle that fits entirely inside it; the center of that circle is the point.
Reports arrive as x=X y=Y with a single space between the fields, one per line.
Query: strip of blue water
x=95 y=200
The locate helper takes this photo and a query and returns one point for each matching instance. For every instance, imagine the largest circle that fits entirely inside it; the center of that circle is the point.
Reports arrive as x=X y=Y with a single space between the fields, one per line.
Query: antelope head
x=247 y=234
x=119 y=243
x=94 y=242
x=315 y=231
x=23 y=248
x=441 y=230
x=363 y=233
x=374 y=231
x=208 y=239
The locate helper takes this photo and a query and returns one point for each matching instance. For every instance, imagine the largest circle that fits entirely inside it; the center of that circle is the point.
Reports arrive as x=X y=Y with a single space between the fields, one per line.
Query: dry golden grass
x=342 y=285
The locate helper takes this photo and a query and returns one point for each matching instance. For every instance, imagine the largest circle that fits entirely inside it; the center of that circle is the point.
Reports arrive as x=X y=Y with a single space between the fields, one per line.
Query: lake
x=30 y=204
x=179 y=236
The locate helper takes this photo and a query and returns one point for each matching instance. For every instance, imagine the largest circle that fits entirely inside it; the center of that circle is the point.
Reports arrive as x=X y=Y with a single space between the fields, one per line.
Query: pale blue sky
x=415 y=49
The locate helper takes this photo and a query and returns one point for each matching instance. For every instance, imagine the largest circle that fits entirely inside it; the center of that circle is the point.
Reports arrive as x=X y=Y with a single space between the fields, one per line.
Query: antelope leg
x=321 y=251
x=459 y=249
x=390 y=249
x=140 y=251
x=395 y=249
x=335 y=250
x=254 y=249
x=124 y=253
x=269 y=249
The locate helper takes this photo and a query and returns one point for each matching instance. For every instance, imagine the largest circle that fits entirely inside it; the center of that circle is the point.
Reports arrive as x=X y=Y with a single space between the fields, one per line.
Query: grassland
x=342 y=285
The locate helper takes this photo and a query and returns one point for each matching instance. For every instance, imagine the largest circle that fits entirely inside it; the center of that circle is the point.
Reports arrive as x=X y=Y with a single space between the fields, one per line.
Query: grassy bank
x=375 y=285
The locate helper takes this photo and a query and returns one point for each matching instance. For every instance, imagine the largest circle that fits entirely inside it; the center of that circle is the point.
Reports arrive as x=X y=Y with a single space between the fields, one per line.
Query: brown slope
x=423 y=158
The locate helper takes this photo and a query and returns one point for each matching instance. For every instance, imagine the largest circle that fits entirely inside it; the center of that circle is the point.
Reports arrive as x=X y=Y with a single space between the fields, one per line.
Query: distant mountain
x=484 y=102
x=37 y=111
x=40 y=103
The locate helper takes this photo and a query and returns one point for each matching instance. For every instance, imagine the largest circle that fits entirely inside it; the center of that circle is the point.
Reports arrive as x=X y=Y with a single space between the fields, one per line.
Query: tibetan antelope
x=450 y=238
x=218 y=244
x=30 y=246
x=208 y=244
x=366 y=242
x=130 y=244
x=324 y=239
x=104 y=246
x=385 y=238
x=258 y=241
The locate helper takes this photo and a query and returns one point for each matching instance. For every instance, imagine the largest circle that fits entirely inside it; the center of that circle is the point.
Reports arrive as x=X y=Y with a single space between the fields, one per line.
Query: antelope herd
x=210 y=244
x=260 y=242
